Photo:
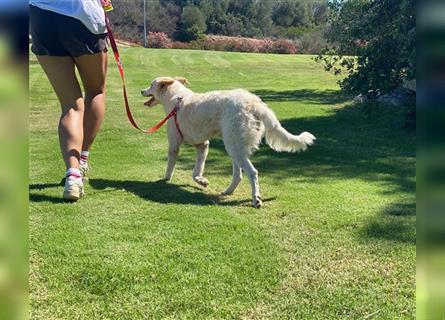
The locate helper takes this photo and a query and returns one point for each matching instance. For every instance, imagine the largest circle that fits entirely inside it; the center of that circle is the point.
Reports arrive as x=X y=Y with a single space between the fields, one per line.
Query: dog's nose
x=142 y=91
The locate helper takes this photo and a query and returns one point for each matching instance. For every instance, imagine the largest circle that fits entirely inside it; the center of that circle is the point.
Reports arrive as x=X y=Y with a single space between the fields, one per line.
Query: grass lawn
x=335 y=238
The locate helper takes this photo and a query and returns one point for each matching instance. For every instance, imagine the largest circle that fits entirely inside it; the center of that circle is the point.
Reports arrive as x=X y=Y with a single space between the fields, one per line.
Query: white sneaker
x=84 y=169
x=73 y=191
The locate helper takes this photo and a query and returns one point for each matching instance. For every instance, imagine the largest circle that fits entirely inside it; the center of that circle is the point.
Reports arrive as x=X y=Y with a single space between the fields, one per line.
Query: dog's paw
x=201 y=181
x=257 y=203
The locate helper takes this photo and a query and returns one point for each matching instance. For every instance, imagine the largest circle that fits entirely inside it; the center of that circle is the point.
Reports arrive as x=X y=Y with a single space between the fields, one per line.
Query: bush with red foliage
x=158 y=40
x=225 y=43
x=180 y=45
x=284 y=46
x=240 y=44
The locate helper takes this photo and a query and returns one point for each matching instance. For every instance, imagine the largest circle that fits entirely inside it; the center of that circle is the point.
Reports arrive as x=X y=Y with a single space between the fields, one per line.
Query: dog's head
x=159 y=87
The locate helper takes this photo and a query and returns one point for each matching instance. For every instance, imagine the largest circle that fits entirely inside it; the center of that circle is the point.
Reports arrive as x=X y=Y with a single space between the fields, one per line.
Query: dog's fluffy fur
x=240 y=117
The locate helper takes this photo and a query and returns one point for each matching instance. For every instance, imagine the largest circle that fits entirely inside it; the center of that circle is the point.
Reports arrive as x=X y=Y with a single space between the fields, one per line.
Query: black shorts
x=54 y=34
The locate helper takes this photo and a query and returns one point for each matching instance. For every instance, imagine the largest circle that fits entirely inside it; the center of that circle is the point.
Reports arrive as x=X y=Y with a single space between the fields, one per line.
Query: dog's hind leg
x=241 y=136
x=202 y=150
x=241 y=161
x=252 y=173
x=236 y=179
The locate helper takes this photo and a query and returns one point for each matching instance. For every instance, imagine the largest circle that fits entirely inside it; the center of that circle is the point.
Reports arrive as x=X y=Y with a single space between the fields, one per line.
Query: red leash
x=117 y=57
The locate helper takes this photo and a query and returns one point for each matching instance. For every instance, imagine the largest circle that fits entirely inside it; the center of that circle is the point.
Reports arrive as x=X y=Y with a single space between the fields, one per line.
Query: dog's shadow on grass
x=163 y=192
x=158 y=191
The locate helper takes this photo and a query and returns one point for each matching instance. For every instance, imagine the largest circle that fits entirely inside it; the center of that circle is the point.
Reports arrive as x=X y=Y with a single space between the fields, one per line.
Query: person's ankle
x=84 y=157
x=73 y=176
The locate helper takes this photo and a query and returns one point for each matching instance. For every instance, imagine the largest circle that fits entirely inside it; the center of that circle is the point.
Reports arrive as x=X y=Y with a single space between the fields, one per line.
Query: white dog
x=240 y=117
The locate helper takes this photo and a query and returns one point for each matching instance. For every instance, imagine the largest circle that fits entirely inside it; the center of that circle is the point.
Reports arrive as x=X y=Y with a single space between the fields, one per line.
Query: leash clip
x=178 y=103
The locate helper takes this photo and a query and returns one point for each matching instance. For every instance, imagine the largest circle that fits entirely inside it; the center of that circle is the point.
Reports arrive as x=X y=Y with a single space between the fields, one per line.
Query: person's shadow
x=35 y=196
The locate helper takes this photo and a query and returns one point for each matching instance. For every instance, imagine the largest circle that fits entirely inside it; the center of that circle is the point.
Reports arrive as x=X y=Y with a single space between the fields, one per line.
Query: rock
x=360 y=99
x=410 y=84
x=390 y=100
x=403 y=92
x=397 y=97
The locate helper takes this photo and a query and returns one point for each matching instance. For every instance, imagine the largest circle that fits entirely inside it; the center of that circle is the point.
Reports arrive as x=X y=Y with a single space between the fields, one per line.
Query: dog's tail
x=277 y=137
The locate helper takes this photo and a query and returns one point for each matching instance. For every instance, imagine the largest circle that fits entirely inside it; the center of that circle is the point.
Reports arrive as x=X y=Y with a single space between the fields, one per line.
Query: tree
x=187 y=20
x=254 y=16
x=290 y=13
x=163 y=17
x=192 y=24
x=216 y=17
x=320 y=12
x=234 y=25
x=262 y=19
x=374 y=43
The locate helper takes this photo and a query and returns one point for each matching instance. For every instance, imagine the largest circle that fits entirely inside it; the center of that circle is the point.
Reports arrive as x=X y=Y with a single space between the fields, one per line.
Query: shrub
x=284 y=46
x=158 y=40
x=131 y=40
x=312 y=42
x=240 y=44
x=224 y=43
x=190 y=34
x=180 y=45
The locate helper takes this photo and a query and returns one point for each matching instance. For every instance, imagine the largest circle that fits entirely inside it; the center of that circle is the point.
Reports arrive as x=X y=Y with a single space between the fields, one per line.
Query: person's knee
x=93 y=91
x=72 y=108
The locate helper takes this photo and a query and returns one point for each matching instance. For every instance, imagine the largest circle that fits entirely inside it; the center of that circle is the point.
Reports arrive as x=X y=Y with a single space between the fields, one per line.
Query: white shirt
x=89 y=12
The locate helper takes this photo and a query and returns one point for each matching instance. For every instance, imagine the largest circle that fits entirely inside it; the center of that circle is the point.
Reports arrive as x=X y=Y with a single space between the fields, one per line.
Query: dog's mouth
x=150 y=101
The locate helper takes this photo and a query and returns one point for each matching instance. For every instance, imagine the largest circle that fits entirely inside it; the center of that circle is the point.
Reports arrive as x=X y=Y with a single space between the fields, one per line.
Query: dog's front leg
x=173 y=150
x=202 y=150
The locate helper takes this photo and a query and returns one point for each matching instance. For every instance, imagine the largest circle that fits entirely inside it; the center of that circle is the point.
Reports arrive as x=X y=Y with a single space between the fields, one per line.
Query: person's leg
x=61 y=74
x=93 y=70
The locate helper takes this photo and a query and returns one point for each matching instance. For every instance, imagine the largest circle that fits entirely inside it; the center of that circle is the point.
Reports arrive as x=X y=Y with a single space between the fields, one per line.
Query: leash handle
x=124 y=89
x=107 y=5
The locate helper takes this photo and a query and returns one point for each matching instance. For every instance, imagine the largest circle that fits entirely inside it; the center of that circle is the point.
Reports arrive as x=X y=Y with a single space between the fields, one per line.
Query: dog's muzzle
x=149 y=102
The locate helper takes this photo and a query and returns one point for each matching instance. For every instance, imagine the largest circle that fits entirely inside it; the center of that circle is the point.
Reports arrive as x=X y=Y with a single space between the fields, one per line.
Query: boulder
x=397 y=97
x=410 y=84
x=390 y=100
x=360 y=99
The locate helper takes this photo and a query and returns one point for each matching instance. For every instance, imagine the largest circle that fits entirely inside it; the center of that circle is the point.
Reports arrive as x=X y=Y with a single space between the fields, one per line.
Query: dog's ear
x=165 y=83
x=183 y=80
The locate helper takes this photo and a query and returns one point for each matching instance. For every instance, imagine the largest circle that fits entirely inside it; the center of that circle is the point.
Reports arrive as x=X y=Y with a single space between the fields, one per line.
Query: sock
x=84 y=158
x=73 y=175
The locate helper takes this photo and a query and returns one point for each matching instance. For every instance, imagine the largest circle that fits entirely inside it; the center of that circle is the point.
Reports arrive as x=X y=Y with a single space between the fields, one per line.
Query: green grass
x=335 y=239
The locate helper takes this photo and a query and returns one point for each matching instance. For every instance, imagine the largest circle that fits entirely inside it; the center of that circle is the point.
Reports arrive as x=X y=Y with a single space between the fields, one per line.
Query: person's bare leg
x=61 y=74
x=93 y=71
